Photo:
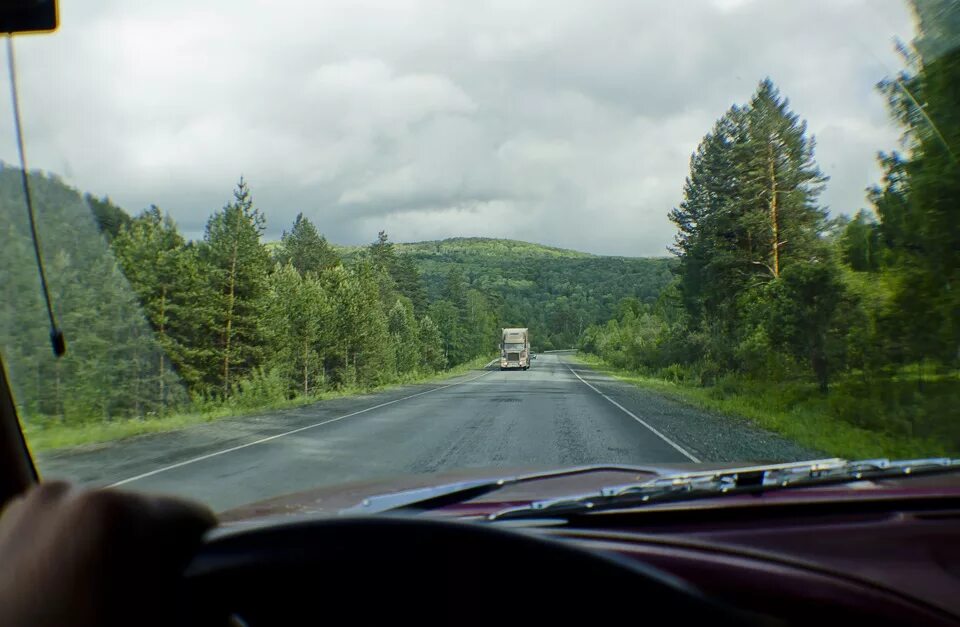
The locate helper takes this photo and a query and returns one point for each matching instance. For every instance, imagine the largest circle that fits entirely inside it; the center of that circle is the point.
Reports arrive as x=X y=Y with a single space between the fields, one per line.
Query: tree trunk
x=137 y=375
x=306 y=348
x=162 y=331
x=230 y=300
x=774 y=215
x=818 y=361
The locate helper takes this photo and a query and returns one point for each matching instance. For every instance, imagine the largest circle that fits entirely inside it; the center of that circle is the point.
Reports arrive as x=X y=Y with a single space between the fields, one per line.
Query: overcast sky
x=566 y=123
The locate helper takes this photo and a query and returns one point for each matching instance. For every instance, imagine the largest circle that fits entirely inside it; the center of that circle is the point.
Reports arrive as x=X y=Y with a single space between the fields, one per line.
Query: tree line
x=154 y=321
x=233 y=314
x=769 y=288
x=557 y=293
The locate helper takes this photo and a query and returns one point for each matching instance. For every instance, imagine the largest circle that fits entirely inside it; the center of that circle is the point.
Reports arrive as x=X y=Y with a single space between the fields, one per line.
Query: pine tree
x=860 y=243
x=780 y=183
x=749 y=212
x=109 y=217
x=409 y=283
x=306 y=248
x=238 y=264
x=446 y=317
x=480 y=326
x=374 y=357
x=298 y=321
x=406 y=338
x=154 y=258
x=917 y=204
x=431 y=345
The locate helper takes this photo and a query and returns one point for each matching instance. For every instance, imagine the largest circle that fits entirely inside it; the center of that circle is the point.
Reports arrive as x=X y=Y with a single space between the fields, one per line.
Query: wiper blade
x=712 y=483
x=423 y=499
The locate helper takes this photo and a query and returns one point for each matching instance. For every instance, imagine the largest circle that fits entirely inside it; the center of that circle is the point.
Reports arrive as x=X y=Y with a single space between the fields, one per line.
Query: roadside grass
x=793 y=410
x=43 y=435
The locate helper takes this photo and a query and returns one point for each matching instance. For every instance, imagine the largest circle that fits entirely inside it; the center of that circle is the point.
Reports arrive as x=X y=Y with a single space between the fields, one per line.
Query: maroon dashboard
x=871 y=563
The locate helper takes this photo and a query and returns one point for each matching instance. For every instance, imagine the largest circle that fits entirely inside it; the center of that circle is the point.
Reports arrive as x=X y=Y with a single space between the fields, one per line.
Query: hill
x=471 y=247
x=556 y=292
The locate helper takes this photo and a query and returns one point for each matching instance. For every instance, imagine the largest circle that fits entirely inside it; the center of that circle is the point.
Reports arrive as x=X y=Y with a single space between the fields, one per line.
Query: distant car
x=533 y=355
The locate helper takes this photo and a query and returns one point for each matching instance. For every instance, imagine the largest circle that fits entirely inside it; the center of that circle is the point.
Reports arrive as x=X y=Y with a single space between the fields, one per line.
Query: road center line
x=637 y=418
x=280 y=435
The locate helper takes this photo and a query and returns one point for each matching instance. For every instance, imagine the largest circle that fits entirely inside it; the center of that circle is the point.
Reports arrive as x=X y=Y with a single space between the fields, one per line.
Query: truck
x=515 y=349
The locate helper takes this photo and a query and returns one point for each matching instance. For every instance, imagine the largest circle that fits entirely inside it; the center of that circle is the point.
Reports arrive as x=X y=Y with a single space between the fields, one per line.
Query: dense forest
x=767 y=295
x=155 y=323
x=772 y=296
x=555 y=292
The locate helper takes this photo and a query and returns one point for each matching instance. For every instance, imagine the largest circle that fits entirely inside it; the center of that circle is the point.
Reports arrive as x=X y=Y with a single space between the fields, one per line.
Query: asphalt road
x=555 y=414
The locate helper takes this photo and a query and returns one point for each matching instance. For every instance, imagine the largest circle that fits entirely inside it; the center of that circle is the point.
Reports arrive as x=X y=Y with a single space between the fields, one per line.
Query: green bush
x=259 y=389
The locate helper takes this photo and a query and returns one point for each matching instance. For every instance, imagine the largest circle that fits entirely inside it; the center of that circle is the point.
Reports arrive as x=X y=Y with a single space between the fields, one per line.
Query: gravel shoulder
x=712 y=437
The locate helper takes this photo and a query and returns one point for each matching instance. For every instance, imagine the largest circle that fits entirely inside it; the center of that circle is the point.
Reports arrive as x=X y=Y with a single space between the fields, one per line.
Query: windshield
x=285 y=253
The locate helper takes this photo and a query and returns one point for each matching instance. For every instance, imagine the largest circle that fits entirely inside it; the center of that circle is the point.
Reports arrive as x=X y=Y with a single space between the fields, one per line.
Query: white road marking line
x=280 y=435
x=637 y=418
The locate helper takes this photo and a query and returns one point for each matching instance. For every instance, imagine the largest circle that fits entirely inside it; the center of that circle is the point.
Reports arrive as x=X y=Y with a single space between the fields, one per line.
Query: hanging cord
x=56 y=335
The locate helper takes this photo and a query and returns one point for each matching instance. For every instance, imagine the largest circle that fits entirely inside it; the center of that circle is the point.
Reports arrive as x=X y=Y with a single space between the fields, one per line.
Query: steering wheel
x=366 y=570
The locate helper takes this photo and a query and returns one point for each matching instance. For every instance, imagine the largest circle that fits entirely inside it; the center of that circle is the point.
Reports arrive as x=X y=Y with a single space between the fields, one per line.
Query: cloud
x=569 y=123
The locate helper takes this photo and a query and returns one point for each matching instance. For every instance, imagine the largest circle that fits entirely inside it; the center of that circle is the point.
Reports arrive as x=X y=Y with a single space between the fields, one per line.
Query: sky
x=564 y=123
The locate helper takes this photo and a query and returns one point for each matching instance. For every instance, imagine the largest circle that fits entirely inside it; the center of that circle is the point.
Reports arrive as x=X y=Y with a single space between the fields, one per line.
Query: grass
x=49 y=435
x=795 y=411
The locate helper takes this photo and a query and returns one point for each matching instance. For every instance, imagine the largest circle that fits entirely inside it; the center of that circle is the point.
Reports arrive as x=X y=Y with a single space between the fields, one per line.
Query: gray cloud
x=569 y=123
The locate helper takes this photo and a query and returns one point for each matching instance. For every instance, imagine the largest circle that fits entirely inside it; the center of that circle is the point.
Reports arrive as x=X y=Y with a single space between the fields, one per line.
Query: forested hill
x=153 y=320
x=461 y=248
x=556 y=292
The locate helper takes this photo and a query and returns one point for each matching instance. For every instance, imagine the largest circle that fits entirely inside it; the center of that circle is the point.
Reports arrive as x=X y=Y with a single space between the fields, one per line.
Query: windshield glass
x=285 y=253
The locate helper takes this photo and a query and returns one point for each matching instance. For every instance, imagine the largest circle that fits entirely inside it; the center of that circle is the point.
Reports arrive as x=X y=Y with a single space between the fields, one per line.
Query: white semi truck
x=515 y=349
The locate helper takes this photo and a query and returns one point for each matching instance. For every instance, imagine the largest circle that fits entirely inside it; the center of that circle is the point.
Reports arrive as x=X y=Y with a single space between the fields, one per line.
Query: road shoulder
x=108 y=462
x=710 y=436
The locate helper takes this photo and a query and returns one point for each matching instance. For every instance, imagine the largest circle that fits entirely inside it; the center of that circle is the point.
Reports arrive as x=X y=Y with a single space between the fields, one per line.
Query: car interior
x=892 y=559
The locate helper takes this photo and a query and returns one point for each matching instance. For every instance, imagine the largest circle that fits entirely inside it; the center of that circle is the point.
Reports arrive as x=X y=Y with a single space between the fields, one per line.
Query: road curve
x=555 y=414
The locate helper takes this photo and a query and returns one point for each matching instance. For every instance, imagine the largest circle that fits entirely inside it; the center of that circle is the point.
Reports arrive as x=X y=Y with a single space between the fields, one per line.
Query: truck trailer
x=515 y=349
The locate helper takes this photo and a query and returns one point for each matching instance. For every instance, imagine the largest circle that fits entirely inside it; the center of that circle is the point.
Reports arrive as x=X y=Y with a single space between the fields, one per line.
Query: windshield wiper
x=423 y=499
x=712 y=483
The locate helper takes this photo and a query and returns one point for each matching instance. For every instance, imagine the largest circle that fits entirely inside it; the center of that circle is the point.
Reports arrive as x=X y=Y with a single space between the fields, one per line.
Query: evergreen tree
x=298 y=321
x=860 y=243
x=237 y=263
x=408 y=282
x=153 y=256
x=917 y=203
x=109 y=217
x=447 y=319
x=431 y=344
x=306 y=248
x=779 y=185
x=749 y=212
x=480 y=327
x=406 y=337
x=374 y=356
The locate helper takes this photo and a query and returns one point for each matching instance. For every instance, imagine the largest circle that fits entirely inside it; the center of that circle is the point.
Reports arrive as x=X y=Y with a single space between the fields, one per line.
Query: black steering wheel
x=403 y=570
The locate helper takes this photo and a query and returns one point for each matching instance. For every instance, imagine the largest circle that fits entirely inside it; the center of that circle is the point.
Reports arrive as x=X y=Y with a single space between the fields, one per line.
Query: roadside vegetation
x=793 y=410
x=841 y=333
x=556 y=293
x=49 y=434
x=161 y=330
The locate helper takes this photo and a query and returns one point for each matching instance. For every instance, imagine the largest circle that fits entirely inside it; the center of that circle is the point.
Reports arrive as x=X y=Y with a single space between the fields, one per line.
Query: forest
x=779 y=305
x=791 y=313
x=555 y=292
x=155 y=323
x=158 y=324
